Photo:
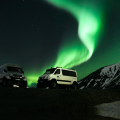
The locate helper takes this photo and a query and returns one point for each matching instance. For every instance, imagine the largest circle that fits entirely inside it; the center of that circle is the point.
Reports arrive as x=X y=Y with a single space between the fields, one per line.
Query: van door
x=65 y=78
x=57 y=74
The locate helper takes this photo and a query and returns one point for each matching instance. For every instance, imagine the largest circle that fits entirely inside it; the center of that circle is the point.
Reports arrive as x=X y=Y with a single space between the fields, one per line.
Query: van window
x=69 y=73
x=57 y=71
x=48 y=71
x=13 y=69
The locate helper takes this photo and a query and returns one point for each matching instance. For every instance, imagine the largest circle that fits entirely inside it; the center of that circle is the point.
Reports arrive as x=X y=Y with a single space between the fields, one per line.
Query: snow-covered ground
x=109 y=109
x=15 y=86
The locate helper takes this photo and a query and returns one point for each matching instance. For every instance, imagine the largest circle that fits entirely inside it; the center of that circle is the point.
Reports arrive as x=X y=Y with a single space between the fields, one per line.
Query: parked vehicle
x=58 y=78
x=12 y=74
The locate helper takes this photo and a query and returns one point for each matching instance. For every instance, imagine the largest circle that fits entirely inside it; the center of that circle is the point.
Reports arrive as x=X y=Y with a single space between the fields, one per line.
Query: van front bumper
x=17 y=81
x=43 y=83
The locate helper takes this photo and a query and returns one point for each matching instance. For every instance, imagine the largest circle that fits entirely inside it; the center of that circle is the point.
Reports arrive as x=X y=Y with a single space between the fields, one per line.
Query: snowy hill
x=103 y=78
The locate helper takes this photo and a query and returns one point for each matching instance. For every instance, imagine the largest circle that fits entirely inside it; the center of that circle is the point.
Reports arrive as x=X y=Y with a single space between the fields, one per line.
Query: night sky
x=79 y=34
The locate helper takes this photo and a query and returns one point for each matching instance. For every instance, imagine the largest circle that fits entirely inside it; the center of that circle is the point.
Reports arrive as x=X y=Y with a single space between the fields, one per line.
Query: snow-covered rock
x=103 y=78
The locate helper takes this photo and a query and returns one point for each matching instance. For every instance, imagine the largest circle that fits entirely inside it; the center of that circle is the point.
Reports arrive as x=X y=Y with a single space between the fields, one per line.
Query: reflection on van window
x=49 y=71
x=13 y=69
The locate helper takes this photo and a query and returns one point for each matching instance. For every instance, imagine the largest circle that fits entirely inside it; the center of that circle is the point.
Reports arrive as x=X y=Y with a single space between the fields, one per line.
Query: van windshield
x=49 y=71
x=14 y=69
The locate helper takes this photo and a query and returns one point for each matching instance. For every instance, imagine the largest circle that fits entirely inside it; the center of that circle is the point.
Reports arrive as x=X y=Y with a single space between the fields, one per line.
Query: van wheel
x=6 y=83
x=53 y=84
x=74 y=85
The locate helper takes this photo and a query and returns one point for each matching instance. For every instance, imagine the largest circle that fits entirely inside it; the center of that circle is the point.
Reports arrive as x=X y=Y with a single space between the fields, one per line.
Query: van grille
x=17 y=76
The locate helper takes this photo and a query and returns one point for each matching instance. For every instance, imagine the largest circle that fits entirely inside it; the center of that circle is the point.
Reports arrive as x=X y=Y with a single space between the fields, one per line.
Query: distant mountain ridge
x=103 y=78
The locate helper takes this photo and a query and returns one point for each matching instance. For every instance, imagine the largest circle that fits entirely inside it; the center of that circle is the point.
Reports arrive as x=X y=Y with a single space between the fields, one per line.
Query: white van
x=12 y=74
x=58 y=77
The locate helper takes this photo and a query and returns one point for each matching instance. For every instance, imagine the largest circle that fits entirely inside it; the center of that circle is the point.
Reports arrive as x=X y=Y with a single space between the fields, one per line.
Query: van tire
x=53 y=84
x=6 y=83
x=74 y=85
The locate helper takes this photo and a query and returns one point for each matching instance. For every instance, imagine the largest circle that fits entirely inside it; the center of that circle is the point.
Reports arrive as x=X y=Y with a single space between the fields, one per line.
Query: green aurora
x=89 y=17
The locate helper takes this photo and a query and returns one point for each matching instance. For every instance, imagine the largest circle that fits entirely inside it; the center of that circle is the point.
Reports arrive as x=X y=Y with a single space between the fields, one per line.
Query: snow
x=108 y=73
x=109 y=109
x=107 y=81
x=79 y=81
x=95 y=84
x=89 y=82
x=106 y=70
x=118 y=82
x=18 y=86
x=98 y=80
x=115 y=77
x=47 y=88
x=82 y=87
x=15 y=86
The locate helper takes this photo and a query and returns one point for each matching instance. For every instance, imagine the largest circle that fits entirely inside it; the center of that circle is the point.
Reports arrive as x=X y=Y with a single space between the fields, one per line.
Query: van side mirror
x=5 y=70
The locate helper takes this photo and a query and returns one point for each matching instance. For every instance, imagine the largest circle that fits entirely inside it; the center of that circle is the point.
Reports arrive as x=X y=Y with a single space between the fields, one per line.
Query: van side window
x=68 y=73
x=57 y=71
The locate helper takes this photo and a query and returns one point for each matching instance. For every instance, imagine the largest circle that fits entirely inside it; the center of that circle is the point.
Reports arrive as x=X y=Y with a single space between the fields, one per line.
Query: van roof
x=69 y=69
x=64 y=68
x=10 y=64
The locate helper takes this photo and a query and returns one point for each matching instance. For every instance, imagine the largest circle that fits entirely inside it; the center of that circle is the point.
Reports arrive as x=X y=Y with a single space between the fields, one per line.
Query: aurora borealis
x=79 y=34
x=88 y=15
